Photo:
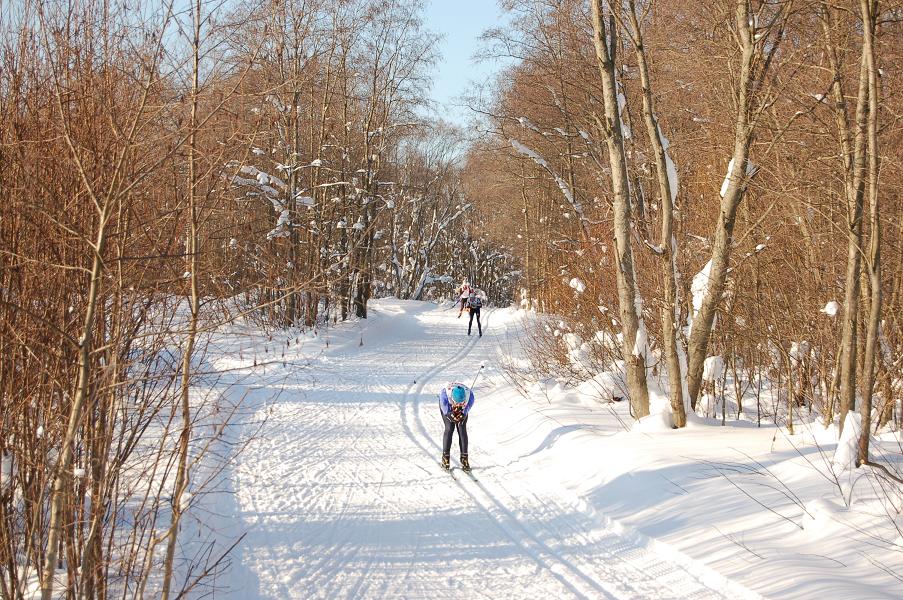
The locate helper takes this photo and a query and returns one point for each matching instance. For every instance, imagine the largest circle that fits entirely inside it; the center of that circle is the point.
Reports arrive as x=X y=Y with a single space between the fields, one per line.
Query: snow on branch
x=244 y=181
x=562 y=184
x=527 y=124
x=334 y=183
x=751 y=170
x=622 y=104
x=669 y=164
x=449 y=220
x=261 y=181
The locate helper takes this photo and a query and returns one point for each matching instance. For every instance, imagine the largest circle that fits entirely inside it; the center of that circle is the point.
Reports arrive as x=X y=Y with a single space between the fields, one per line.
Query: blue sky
x=461 y=22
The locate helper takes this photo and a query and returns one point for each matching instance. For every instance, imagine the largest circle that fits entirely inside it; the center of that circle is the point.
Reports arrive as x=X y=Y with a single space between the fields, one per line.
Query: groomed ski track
x=341 y=495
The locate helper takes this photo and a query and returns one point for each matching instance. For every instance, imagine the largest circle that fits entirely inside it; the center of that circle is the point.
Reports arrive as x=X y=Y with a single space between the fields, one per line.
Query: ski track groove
x=578 y=581
x=536 y=550
x=485 y=503
x=322 y=512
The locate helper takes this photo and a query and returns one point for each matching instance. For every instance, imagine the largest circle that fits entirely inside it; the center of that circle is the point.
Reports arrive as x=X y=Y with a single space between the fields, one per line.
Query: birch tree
x=635 y=347
x=758 y=34
x=666 y=174
x=869 y=15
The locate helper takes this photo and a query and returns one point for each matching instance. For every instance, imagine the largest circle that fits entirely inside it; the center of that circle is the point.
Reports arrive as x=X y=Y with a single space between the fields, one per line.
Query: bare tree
x=193 y=247
x=667 y=182
x=869 y=15
x=105 y=201
x=631 y=305
x=758 y=35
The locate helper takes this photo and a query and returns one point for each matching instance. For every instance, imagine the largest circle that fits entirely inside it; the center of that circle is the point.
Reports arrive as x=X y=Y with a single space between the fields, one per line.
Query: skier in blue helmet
x=455 y=402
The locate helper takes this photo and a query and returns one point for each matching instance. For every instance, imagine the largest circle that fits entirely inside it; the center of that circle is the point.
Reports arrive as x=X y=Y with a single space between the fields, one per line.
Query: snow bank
x=660 y=421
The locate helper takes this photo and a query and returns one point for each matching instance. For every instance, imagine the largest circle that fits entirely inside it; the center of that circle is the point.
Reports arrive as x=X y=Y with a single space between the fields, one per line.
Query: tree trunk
x=668 y=244
x=62 y=475
x=869 y=9
x=628 y=298
x=855 y=200
x=701 y=329
x=181 y=482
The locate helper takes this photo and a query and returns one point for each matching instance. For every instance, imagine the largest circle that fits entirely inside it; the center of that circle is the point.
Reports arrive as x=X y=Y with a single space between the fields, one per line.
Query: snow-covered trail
x=341 y=494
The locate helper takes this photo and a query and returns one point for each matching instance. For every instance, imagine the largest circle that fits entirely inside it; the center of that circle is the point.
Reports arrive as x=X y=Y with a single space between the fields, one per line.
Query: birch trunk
x=701 y=330
x=628 y=299
x=668 y=244
x=869 y=9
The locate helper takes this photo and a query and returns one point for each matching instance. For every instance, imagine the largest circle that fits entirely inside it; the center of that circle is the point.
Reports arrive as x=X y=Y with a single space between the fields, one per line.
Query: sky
x=461 y=22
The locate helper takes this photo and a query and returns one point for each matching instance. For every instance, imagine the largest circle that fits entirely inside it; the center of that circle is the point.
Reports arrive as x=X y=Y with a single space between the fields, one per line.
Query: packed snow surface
x=340 y=494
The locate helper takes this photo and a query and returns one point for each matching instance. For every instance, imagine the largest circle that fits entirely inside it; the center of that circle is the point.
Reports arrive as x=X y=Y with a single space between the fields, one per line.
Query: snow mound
x=659 y=417
x=657 y=421
x=821 y=516
x=848 y=446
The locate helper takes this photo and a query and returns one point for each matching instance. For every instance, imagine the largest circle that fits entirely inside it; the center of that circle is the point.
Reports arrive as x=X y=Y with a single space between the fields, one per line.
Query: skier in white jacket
x=463 y=294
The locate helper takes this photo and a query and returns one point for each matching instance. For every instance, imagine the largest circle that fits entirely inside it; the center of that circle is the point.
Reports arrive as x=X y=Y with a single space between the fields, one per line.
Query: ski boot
x=465 y=463
x=445 y=461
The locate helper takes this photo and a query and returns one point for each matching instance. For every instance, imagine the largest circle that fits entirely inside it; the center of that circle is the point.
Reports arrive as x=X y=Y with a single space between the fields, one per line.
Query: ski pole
x=475 y=377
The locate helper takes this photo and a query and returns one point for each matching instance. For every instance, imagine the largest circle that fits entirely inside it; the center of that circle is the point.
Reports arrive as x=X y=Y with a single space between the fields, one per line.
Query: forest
x=702 y=195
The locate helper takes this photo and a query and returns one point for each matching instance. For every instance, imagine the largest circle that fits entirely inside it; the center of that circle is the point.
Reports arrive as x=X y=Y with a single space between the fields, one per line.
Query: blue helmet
x=458 y=394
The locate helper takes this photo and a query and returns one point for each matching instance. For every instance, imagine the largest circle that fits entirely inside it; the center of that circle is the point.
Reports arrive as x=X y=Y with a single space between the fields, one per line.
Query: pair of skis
x=451 y=471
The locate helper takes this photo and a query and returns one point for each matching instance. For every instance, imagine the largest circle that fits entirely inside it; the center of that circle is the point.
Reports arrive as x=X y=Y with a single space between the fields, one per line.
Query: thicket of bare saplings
x=167 y=168
x=686 y=180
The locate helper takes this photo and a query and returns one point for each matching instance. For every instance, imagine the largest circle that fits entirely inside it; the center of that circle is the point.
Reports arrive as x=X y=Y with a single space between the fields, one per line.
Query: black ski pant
x=450 y=427
x=474 y=312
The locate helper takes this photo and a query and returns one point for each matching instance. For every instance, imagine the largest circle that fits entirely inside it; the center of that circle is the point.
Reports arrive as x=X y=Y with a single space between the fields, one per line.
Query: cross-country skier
x=463 y=294
x=474 y=303
x=455 y=401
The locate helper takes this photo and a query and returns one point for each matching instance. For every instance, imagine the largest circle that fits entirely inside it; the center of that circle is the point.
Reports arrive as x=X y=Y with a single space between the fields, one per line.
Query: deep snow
x=340 y=493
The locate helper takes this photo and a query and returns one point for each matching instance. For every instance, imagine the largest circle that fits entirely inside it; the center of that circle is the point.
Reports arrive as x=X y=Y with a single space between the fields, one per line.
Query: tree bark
x=855 y=192
x=62 y=475
x=628 y=298
x=701 y=329
x=181 y=482
x=671 y=310
x=869 y=10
